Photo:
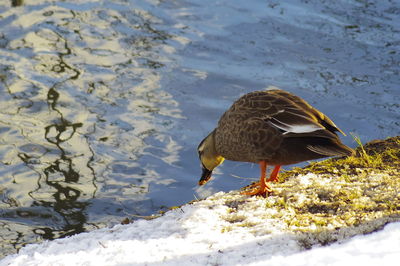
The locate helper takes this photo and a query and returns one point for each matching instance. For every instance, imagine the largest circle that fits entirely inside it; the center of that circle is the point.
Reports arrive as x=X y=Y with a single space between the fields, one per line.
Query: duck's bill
x=205 y=176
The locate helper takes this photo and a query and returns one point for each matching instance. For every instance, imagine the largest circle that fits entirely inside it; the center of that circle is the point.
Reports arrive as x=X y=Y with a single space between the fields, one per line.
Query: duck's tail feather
x=336 y=149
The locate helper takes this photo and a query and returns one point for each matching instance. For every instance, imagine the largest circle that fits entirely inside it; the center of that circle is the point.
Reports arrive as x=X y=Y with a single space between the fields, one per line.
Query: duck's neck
x=212 y=157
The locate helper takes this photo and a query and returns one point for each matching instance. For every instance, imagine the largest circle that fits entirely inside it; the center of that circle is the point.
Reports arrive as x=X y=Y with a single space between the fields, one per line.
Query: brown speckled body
x=253 y=129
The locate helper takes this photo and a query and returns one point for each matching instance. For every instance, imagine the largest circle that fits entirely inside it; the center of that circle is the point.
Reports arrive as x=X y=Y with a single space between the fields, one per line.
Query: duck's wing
x=304 y=106
x=293 y=121
x=297 y=119
x=281 y=110
x=284 y=111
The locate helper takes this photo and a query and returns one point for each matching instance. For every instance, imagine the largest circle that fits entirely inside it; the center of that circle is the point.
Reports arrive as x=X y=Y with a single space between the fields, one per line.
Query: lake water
x=103 y=103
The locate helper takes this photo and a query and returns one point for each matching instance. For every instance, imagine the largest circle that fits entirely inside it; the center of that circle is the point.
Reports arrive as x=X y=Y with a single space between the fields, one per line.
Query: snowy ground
x=225 y=229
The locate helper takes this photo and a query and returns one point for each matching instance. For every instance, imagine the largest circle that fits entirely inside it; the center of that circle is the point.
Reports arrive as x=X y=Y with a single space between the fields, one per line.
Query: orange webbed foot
x=257 y=189
x=261 y=188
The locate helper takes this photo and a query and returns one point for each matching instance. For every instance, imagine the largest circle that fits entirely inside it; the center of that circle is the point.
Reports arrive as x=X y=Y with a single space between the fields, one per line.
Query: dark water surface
x=103 y=103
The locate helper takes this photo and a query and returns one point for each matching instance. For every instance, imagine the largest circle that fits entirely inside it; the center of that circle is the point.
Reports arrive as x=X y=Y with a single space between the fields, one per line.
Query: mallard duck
x=270 y=127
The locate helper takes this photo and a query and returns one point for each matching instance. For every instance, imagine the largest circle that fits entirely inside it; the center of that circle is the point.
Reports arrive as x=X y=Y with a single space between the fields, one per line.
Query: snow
x=207 y=232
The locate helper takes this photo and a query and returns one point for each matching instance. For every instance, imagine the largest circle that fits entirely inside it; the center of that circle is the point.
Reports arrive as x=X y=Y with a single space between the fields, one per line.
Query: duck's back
x=278 y=127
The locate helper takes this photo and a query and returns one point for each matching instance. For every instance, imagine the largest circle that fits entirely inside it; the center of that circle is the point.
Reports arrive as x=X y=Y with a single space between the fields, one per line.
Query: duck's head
x=209 y=157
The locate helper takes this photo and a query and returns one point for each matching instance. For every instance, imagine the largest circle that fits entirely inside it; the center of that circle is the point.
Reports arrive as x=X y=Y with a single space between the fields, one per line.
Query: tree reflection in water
x=62 y=178
x=15 y=3
x=84 y=122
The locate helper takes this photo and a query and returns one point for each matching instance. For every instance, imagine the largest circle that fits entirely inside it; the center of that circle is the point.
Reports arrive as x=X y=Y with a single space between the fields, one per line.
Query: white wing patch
x=305 y=128
x=302 y=125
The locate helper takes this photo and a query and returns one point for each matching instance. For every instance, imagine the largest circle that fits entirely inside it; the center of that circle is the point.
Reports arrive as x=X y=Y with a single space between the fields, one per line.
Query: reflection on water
x=17 y=2
x=80 y=96
x=102 y=103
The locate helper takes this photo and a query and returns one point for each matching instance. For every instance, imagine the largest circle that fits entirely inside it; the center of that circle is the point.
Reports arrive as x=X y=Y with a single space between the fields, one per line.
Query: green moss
x=226 y=229
x=282 y=203
x=247 y=224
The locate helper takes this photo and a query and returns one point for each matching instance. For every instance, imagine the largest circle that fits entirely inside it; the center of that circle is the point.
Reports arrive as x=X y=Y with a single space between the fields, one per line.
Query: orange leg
x=260 y=188
x=274 y=175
